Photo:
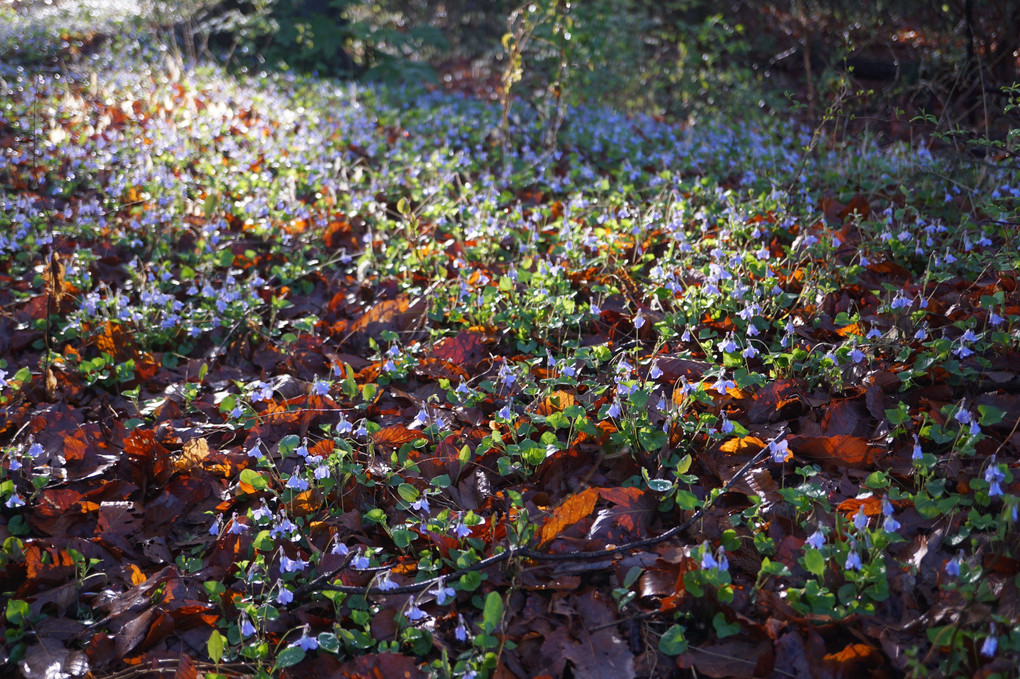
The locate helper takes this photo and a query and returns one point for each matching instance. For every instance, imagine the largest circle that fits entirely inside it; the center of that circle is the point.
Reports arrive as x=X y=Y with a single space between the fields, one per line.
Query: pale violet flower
x=722 y=385
x=306 y=642
x=780 y=451
x=444 y=593
x=994 y=477
x=853 y=561
x=991 y=643
x=295 y=482
x=413 y=613
x=860 y=519
x=707 y=560
x=289 y=565
x=815 y=540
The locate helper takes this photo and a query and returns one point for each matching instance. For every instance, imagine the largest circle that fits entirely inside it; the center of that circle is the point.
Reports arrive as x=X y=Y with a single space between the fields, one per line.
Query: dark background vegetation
x=881 y=62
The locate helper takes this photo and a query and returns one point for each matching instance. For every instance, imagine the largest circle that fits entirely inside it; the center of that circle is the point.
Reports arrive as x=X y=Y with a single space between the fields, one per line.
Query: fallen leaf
x=396 y=435
x=747 y=445
x=556 y=402
x=775 y=401
x=576 y=508
x=837 y=451
x=194 y=452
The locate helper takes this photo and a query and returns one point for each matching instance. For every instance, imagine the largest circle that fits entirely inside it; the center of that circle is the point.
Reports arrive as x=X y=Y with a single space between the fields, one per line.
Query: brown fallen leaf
x=194 y=452
x=747 y=445
x=576 y=508
x=556 y=402
x=835 y=451
x=50 y=660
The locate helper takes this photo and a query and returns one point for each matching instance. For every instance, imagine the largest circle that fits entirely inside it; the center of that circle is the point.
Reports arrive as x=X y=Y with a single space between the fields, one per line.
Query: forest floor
x=314 y=379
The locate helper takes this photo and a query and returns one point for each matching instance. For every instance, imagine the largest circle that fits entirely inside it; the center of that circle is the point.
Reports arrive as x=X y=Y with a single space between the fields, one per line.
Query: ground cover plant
x=301 y=377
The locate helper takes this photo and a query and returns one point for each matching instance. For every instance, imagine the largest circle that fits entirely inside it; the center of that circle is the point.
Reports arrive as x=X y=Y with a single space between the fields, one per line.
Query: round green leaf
x=289 y=656
x=673 y=641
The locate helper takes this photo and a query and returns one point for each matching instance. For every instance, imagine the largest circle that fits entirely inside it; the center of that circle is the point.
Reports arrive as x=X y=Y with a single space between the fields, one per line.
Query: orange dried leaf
x=307 y=502
x=115 y=340
x=576 y=508
x=871 y=504
x=748 y=445
x=555 y=402
x=396 y=435
x=194 y=452
x=840 y=451
x=137 y=576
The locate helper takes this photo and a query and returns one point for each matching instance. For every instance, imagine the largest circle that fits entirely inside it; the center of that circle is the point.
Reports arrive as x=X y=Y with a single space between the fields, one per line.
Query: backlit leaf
x=576 y=508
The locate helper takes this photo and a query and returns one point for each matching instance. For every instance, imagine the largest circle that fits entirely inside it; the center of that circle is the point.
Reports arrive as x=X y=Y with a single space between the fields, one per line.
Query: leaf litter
x=277 y=392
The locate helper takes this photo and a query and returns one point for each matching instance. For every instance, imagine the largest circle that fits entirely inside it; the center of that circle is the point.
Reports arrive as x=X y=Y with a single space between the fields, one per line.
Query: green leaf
x=814 y=562
x=470 y=581
x=288 y=444
x=632 y=575
x=724 y=629
x=214 y=588
x=660 y=485
x=264 y=541
x=329 y=642
x=673 y=641
x=349 y=387
x=989 y=416
x=288 y=657
x=215 y=645
x=402 y=537
x=897 y=416
x=408 y=492
x=492 y=614
x=17 y=611
x=253 y=479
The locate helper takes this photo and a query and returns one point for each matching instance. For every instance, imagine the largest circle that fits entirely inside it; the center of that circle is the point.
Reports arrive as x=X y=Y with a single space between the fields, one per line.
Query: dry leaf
x=194 y=452
x=576 y=508
x=748 y=445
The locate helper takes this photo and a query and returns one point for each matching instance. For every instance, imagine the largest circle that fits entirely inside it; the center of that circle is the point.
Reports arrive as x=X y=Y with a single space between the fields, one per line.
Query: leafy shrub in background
x=340 y=38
